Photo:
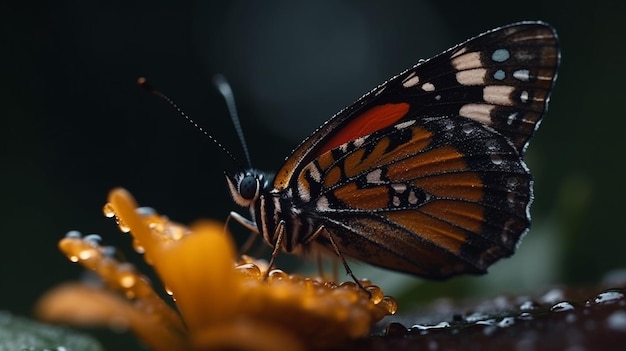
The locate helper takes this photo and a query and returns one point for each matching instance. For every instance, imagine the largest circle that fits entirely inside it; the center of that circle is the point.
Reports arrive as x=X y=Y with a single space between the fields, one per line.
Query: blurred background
x=74 y=124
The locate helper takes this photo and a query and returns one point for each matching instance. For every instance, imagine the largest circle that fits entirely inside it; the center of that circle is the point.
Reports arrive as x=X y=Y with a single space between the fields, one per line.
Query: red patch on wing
x=376 y=118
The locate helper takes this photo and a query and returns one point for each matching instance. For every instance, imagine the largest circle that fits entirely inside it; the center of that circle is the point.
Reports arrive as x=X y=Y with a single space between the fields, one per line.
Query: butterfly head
x=246 y=187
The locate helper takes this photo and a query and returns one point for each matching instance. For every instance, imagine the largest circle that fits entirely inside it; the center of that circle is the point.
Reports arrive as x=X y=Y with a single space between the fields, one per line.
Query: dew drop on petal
x=93 y=239
x=348 y=285
x=138 y=247
x=249 y=270
x=123 y=227
x=389 y=304
x=108 y=211
x=376 y=293
x=145 y=211
x=86 y=254
x=73 y=234
x=127 y=279
x=276 y=275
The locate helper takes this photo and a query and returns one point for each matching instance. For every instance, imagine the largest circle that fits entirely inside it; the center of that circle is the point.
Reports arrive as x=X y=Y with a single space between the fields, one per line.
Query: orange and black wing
x=425 y=174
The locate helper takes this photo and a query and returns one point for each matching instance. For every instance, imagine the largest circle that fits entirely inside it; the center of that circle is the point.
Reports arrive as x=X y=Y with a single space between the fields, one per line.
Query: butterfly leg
x=248 y=224
x=279 y=234
x=338 y=253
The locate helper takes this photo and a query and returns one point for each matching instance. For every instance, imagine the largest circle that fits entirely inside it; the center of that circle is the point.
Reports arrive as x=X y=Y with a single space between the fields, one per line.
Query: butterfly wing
x=424 y=174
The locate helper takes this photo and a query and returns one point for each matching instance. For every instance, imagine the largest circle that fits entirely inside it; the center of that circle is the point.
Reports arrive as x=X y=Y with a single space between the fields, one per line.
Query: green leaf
x=18 y=333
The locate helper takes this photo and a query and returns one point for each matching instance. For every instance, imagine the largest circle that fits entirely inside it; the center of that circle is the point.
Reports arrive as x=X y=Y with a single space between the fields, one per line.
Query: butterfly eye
x=249 y=187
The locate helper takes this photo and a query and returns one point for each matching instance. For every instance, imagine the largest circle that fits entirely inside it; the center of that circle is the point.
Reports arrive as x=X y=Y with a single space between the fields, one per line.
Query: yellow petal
x=83 y=305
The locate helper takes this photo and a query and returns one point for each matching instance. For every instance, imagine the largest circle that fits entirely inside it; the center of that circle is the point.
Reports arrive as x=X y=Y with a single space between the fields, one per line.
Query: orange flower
x=220 y=303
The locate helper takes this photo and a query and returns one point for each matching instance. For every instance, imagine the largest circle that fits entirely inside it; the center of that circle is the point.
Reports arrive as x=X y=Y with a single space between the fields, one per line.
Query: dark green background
x=74 y=124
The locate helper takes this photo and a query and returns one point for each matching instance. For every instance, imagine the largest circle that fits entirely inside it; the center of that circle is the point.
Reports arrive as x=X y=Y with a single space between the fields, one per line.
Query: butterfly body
x=425 y=173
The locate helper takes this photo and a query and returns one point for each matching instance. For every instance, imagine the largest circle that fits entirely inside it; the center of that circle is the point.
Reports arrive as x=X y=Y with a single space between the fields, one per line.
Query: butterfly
x=424 y=174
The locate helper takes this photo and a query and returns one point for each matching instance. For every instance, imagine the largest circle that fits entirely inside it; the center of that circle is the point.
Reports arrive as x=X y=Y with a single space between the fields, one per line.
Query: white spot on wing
x=304 y=193
x=498 y=94
x=399 y=187
x=322 y=204
x=524 y=96
x=359 y=141
x=512 y=117
x=467 y=61
x=472 y=77
x=428 y=87
x=374 y=177
x=412 y=198
x=411 y=80
x=315 y=173
x=460 y=52
x=478 y=112
x=405 y=124
x=500 y=55
x=522 y=74
x=396 y=201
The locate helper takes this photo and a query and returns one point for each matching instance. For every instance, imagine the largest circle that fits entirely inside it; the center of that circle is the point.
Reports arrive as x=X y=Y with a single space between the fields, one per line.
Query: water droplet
x=609 y=297
x=395 y=329
x=365 y=282
x=145 y=211
x=562 y=307
x=617 y=321
x=86 y=254
x=138 y=247
x=526 y=316
x=475 y=317
x=127 y=279
x=506 y=322
x=376 y=293
x=496 y=159
x=390 y=304
x=441 y=325
x=73 y=234
x=73 y=258
x=108 y=210
x=348 y=285
x=93 y=239
x=529 y=305
x=277 y=274
x=552 y=296
x=490 y=321
x=249 y=270
x=169 y=291
x=468 y=128
x=331 y=285
x=108 y=251
x=492 y=145
x=123 y=227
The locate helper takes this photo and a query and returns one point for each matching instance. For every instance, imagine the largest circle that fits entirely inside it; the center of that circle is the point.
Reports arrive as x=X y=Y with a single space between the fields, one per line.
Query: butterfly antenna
x=222 y=85
x=143 y=82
